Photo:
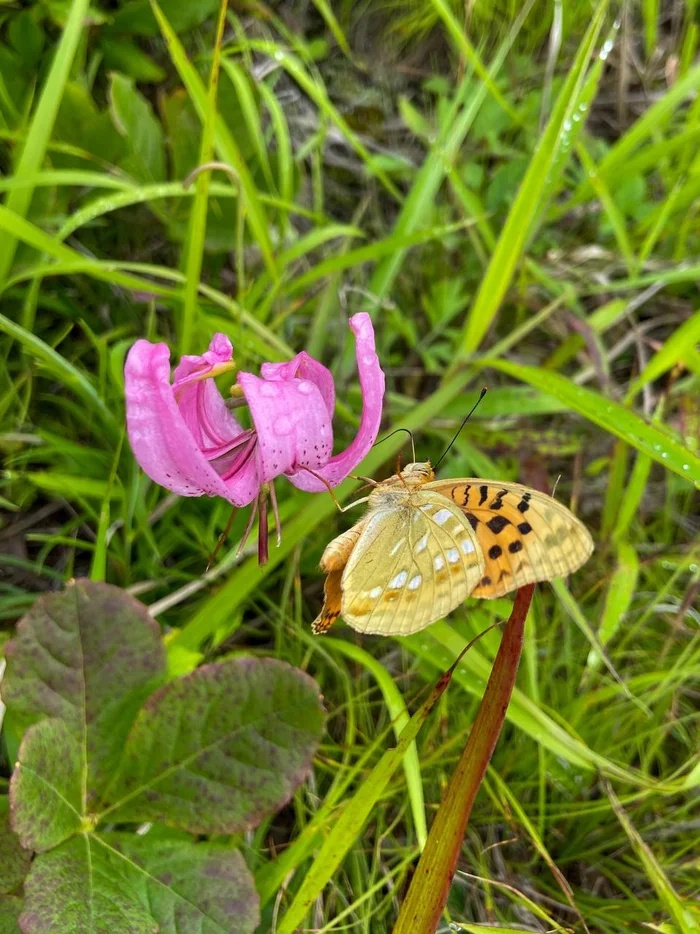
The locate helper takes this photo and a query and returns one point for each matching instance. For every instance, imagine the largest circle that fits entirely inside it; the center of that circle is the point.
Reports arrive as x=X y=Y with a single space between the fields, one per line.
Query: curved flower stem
x=421 y=910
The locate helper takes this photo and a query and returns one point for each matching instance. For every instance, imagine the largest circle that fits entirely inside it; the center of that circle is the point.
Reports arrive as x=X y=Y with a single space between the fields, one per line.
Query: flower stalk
x=427 y=894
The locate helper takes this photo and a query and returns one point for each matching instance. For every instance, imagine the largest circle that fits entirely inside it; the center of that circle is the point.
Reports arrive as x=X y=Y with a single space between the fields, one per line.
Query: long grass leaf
x=224 y=140
x=197 y=228
x=61 y=368
x=527 y=202
x=611 y=416
x=396 y=706
x=418 y=205
x=353 y=816
x=41 y=127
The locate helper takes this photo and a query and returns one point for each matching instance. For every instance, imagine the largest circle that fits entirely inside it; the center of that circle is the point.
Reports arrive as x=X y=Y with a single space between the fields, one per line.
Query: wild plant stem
x=430 y=886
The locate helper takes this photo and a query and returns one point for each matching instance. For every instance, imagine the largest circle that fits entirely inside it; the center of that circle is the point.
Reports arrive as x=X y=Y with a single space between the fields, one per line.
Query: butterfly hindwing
x=525 y=536
x=412 y=564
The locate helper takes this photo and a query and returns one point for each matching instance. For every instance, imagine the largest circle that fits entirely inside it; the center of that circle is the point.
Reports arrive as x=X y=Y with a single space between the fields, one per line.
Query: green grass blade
x=527 y=203
x=684 y=339
x=326 y=11
x=225 y=141
x=353 y=816
x=399 y=718
x=460 y=41
x=197 y=228
x=611 y=416
x=669 y=898
x=618 y=598
x=70 y=262
x=418 y=204
x=41 y=127
x=61 y=368
x=472 y=675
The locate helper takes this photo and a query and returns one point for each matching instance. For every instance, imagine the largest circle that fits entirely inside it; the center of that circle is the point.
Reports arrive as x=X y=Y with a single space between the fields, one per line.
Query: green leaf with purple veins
x=89 y=656
x=219 y=749
x=46 y=790
x=81 y=888
x=189 y=886
x=14 y=859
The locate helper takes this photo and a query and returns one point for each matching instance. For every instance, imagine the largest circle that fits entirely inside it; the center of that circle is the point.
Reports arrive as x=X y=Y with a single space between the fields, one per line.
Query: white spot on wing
x=439 y=562
x=422 y=543
x=399 y=580
x=442 y=515
x=415 y=582
x=375 y=592
x=452 y=555
x=467 y=546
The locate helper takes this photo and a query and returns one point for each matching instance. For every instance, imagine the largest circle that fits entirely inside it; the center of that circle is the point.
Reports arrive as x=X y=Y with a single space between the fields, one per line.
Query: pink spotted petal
x=305 y=367
x=291 y=421
x=160 y=438
x=372 y=386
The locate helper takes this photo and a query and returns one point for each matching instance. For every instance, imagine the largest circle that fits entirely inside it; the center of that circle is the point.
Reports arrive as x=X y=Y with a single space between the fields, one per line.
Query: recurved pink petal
x=305 y=367
x=291 y=421
x=160 y=437
x=372 y=386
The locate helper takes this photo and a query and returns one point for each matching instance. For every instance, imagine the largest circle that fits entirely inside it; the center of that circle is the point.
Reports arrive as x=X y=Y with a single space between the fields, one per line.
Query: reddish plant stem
x=422 y=908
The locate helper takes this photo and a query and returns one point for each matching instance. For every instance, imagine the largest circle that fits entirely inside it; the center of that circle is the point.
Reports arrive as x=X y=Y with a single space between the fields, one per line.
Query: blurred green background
x=512 y=191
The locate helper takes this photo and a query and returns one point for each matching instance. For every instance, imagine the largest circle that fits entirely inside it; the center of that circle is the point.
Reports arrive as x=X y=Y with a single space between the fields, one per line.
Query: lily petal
x=372 y=386
x=305 y=367
x=291 y=421
x=160 y=436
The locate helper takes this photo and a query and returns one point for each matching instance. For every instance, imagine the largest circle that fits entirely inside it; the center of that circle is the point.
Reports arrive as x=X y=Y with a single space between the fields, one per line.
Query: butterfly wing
x=525 y=536
x=412 y=564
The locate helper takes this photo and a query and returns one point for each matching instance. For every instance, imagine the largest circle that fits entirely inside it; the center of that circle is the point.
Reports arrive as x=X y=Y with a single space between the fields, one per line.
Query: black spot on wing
x=524 y=503
x=515 y=547
x=473 y=521
x=462 y=492
x=497 y=502
x=484 y=494
x=495 y=551
x=497 y=524
x=524 y=528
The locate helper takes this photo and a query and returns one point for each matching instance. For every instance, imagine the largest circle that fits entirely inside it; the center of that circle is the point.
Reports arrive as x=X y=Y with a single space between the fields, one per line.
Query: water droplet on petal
x=305 y=387
x=369 y=359
x=268 y=389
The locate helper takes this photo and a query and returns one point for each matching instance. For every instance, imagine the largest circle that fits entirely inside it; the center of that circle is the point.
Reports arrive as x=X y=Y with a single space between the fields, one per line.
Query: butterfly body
x=425 y=545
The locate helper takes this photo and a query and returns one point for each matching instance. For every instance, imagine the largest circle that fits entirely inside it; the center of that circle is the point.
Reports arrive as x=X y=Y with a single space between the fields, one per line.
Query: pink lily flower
x=185 y=437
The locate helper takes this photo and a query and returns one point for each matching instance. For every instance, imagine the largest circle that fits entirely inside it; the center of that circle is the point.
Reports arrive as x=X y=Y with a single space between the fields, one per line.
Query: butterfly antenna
x=464 y=422
x=391 y=435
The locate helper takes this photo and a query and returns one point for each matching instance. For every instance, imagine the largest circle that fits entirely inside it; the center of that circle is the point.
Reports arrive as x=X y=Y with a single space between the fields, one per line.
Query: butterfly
x=424 y=545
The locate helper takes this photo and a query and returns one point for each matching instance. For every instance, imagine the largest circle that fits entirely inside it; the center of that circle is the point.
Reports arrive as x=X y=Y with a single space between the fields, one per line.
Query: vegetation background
x=513 y=192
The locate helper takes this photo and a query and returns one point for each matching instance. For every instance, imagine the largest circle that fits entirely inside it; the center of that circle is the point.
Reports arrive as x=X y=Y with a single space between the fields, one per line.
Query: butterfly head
x=418 y=473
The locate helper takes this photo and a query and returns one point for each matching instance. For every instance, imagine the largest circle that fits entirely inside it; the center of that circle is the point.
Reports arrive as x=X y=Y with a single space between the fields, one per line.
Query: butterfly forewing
x=412 y=564
x=525 y=536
